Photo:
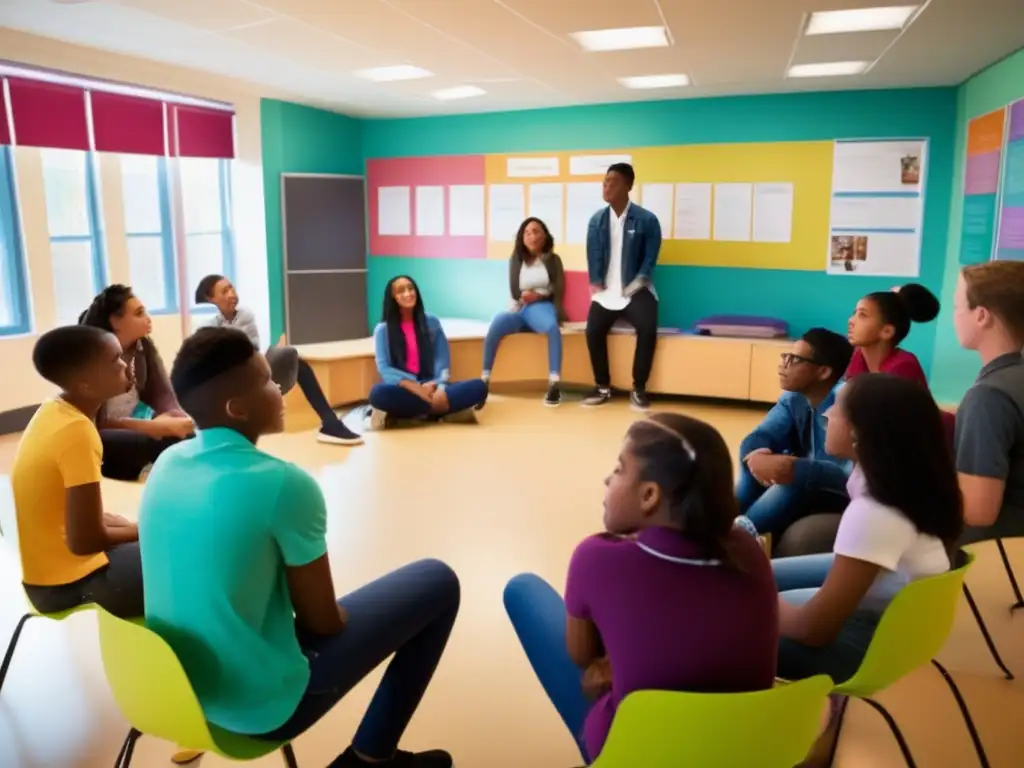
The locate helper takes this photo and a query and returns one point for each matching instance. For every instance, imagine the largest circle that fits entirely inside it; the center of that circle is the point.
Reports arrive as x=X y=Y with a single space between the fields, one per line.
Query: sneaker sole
x=331 y=440
x=640 y=409
x=552 y=405
x=594 y=405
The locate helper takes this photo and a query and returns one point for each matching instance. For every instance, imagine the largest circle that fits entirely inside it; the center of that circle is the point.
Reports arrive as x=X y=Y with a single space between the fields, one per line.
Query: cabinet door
x=764 y=371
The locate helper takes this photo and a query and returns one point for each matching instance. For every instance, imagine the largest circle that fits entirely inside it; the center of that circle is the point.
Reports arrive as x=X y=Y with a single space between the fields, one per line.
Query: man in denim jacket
x=785 y=473
x=623 y=242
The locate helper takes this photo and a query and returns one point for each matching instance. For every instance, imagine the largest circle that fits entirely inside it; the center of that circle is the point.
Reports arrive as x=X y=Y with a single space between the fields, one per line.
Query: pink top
x=412 y=349
x=899 y=363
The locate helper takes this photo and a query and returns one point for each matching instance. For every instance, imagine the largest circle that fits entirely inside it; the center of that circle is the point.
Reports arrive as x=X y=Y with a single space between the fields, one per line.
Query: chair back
x=912 y=631
x=149 y=684
x=667 y=729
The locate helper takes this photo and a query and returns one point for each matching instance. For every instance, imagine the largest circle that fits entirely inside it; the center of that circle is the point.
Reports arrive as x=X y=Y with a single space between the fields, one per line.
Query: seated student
x=238 y=580
x=673 y=596
x=880 y=323
x=284 y=361
x=130 y=444
x=989 y=318
x=902 y=522
x=73 y=553
x=413 y=361
x=785 y=471
x=537 y=283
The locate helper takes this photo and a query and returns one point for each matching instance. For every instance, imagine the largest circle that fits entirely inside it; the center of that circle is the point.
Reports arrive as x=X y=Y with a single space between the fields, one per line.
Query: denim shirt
x=390 y=374
x=793 y=426
x=641 y=244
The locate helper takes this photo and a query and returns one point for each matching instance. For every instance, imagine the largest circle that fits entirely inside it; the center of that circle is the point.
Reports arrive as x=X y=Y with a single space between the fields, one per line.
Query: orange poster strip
x=985 y=133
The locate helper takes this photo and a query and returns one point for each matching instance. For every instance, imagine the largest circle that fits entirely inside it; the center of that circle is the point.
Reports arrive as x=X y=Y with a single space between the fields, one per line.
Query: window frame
x=168 y=260
x=12 y=251
x=226 y=232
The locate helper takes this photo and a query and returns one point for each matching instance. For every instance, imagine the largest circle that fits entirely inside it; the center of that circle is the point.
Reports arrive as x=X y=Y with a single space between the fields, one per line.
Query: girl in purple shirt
x=672 y=596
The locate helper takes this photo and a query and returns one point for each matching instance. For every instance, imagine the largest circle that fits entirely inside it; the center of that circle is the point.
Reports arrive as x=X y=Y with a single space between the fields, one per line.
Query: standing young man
x=623 y=242
x=988 y=315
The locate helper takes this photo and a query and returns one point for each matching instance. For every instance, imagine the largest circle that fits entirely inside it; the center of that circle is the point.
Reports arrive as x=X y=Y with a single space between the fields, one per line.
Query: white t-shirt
x=879 y=534
x=611 y=297
x=534 y=277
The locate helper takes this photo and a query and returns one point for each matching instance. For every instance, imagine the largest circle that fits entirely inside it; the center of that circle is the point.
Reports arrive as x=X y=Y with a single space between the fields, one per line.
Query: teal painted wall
x=299 y=139
x=954 y=369
x=478 y=289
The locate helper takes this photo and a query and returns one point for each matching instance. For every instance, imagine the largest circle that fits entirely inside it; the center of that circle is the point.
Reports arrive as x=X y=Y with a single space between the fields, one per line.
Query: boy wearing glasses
x=785 y=473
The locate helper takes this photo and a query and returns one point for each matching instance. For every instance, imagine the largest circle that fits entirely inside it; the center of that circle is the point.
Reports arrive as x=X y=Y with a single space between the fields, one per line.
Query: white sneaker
x=378 y=420
x=461 y=417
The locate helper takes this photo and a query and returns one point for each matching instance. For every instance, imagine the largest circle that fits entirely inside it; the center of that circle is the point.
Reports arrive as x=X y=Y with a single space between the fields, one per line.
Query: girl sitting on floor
x=412 y=357
x=880 y=323
x=132 y=444
x=286 y=366
x=903 y=520
x=537 y=284
x=673 y=596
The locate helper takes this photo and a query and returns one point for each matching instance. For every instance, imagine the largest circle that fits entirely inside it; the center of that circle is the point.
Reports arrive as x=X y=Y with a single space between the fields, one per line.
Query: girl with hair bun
x=880 y=323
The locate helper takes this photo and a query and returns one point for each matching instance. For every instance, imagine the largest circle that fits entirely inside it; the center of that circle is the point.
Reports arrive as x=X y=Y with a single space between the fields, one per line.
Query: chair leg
x=1009 y=573
x=984 y=631
x=289 y=756
x=124 y=757
x=839 y=715
x=982 y=757
x=895 y=731
x=10 y=647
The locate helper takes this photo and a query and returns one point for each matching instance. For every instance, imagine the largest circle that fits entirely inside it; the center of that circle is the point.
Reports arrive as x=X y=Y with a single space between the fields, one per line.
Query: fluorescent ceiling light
x=397 y=72
x=655 y=81
x=828 y=69
x=622 y=39
x=459 y=92
x=859 y=20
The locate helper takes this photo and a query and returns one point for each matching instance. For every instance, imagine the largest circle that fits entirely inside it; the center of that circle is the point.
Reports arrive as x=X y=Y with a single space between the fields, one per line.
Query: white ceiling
x=519 y=51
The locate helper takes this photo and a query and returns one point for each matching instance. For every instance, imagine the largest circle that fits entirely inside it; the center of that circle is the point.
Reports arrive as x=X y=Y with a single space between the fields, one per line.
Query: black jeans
x=287 y=369
x=642 y=314
x=127 y=452
x=116 y=586
x=408 y=613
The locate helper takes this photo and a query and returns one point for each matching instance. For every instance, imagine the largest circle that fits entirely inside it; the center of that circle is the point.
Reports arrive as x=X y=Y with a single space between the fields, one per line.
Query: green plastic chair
x=668 y=729
x=34 y=614
x=156 y=697
x=912 y=630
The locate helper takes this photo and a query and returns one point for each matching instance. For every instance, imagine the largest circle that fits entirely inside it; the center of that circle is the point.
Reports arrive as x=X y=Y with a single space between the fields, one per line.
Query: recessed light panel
x=459 y=92
x=828 y=69
x=859 y=20
x=391 y=74
x=622 y=39
x=655 y=81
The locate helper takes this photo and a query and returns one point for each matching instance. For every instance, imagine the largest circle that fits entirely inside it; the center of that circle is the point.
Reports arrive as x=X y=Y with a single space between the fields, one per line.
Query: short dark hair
x=59 y=353
x=206 y=354
x=904 y=452
x=625 y=170
x=911 y=303
x=204 y=290
x=831 y=349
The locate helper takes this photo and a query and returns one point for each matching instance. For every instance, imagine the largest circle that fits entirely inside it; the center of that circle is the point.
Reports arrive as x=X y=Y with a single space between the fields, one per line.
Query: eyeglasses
x=789 y=358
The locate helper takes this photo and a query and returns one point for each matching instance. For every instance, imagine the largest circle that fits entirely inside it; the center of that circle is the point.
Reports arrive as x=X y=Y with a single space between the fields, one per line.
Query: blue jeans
x=772 y=510
x=539 y=317
x=537 y=613
x=403 y=404
x=798 y=579
x=408 y=613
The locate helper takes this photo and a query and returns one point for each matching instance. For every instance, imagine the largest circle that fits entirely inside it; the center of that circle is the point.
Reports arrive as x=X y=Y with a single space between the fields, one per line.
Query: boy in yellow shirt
x=71 y=551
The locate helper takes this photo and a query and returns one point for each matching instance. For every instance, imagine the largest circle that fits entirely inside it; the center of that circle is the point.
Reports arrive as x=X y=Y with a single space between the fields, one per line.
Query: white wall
x=20 y=384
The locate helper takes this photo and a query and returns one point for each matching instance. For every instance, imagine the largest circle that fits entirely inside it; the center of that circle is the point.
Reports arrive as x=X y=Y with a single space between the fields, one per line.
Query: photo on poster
x=849 y=252
x=910 y=169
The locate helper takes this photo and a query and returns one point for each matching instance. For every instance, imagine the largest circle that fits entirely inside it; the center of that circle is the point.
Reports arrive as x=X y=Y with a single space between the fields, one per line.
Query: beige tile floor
x=515 y=493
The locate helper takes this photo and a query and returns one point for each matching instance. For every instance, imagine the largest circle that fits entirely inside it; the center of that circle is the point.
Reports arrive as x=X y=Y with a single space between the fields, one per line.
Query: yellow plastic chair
x=668 y=729
x=912 y=630
x=156 y=698
x=34 y=614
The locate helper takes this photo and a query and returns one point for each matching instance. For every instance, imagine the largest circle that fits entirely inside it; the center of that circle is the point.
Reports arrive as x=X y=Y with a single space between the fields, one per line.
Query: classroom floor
x=513 y=494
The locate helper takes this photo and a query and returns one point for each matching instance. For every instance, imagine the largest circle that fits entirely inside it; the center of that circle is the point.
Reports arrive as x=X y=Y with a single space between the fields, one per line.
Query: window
x=14 y=314
x=206 y=201
x=147 y=224
x=76 y=235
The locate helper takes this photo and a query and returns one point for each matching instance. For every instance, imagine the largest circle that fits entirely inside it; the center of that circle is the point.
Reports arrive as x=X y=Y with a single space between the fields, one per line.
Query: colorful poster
x=981 y=186
x=1011 y=216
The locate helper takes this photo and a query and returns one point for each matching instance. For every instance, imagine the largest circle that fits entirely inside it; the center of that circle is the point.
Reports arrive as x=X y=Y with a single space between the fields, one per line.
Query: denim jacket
x=641 y=243
x=794 y=427
x=390 y=374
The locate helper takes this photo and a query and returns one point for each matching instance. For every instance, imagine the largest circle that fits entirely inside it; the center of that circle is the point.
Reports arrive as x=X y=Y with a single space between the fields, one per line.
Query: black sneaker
x=639 y=400
x=599 y=396
x=554 y=396
x=435 y=758
x=336 y=433
x=480 y=406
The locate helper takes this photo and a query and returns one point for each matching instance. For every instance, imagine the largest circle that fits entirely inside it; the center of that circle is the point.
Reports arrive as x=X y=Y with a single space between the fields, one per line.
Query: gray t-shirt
x=244 y=320
x=990 y=440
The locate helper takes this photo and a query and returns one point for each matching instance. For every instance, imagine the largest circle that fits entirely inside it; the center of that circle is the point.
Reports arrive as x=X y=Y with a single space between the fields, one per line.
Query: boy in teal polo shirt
x=238 y=582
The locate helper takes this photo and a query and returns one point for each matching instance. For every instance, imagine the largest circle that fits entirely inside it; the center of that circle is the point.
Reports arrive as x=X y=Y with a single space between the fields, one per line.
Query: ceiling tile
x=210 y=15
x=564 y=16
x=863 y=46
